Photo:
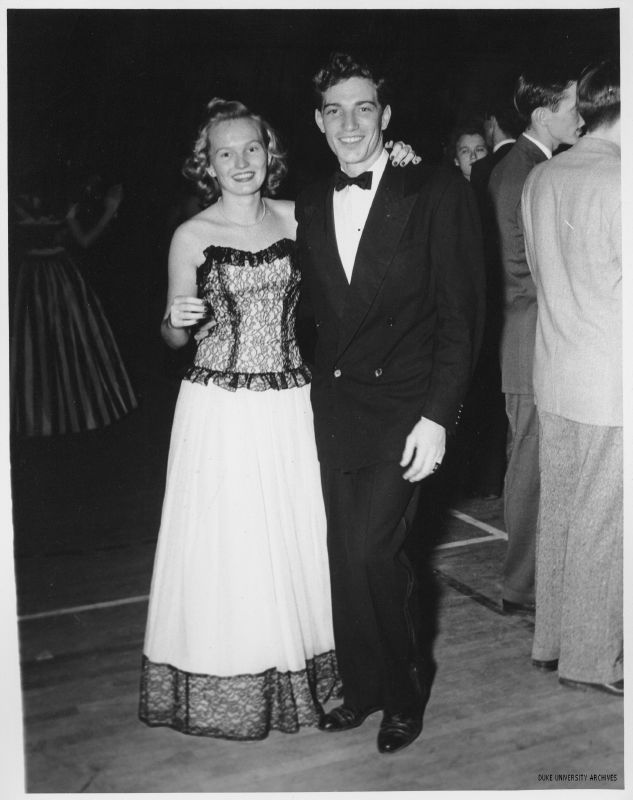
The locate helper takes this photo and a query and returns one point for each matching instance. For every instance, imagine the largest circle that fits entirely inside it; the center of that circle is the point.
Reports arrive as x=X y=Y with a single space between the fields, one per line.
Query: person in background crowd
x=501 y=127
x=392 y=271
x=545 y=98
x=467 y=145
x=572 y=216
x=66 y=371
x=483 y=432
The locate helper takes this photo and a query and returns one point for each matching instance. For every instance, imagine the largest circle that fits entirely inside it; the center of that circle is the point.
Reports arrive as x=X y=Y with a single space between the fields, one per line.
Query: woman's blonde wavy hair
x=197 y=165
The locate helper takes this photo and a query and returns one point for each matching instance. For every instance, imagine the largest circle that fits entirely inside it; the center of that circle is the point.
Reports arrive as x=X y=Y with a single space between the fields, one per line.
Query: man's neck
x=542 y=136
x=609 y=132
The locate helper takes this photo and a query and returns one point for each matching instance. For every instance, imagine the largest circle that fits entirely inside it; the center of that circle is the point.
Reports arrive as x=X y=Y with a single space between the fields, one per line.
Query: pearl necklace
x=242 y=224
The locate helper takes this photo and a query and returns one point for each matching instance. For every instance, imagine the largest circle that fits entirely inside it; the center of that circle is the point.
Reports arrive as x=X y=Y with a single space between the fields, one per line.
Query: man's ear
x=386 y=116
x=318 y=118
x=540 y=115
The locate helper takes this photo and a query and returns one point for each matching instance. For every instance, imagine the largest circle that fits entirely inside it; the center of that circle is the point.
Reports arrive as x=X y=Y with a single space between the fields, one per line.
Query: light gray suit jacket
x=573 y=234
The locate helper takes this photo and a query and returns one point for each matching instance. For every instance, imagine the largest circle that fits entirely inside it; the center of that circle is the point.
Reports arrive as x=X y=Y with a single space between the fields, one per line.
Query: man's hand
x=402 y=154
x=423 y=449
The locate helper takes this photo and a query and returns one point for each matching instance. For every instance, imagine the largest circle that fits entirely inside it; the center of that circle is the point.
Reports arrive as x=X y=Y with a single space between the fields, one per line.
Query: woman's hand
x=402 y=154
x=186 y=311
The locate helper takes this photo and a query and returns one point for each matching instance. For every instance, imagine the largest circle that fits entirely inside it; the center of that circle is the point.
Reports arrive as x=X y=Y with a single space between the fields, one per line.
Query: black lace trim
x=241 y=707
x=255 y=381
x=246 y=258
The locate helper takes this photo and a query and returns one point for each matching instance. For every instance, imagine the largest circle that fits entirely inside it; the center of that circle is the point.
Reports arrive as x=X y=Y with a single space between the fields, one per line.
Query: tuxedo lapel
x=387 y=219
x=322 y=236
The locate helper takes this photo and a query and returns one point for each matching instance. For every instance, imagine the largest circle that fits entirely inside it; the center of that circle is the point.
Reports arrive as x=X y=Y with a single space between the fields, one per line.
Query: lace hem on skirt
x=242 y=707
x=255 y=381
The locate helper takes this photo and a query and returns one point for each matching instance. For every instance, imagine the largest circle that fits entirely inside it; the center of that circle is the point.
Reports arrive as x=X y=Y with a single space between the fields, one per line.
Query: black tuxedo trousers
x=370 y=512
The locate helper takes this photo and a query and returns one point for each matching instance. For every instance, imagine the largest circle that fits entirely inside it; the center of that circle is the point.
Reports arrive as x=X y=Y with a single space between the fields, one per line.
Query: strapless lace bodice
x=252 y=298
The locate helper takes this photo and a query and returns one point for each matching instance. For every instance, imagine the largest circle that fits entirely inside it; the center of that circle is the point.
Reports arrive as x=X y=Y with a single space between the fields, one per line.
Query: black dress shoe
x=344 y=718
x=397 y=731
x=546 y=666
x=616 y=688
x=509 y=607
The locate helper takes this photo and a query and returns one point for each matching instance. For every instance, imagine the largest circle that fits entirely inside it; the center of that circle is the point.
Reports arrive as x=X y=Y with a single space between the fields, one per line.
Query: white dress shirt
x=540 y=145
x=351 y=208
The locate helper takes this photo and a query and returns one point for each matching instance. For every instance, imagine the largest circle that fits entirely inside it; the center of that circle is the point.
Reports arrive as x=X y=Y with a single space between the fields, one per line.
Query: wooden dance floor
x=87 y=511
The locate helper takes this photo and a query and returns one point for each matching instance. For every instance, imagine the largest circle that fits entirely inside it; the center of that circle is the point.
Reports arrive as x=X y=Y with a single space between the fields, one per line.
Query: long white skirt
x=239 y=637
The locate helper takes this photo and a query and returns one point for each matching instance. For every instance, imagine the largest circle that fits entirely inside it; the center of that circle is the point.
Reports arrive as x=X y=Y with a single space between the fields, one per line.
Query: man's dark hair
x=599 y=94
x=507 y=118
x=541 y=86
x=342 y=66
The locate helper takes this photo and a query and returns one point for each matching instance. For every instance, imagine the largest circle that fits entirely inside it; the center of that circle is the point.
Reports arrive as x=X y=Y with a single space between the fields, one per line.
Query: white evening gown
x=239 y=637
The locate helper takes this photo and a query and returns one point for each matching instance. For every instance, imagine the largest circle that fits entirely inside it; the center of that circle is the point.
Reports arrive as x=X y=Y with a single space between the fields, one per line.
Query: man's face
x=353 y=121
x=564 y=124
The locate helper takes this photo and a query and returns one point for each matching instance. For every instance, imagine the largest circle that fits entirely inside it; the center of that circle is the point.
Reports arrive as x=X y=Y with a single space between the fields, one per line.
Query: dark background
x=129 y=87
x=123 y=92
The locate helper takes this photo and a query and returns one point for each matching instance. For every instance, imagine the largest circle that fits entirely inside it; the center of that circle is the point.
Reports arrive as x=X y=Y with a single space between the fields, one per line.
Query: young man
x=573 y=234
x=546 y=100
x=392 y=268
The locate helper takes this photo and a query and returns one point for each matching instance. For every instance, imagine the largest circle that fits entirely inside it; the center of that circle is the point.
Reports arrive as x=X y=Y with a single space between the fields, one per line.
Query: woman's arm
x=184 y=308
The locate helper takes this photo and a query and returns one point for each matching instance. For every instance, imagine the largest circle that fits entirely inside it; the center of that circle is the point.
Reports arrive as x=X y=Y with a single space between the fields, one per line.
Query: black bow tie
x=363 y=181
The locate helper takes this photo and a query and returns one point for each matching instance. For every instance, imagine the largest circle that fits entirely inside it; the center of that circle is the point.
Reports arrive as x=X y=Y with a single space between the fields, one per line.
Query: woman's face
x=238 y=156
x=470 y=148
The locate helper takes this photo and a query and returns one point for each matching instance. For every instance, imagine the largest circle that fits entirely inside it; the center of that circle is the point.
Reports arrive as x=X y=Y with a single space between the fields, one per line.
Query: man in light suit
x=546 y=101
x=393 y=271
x=573 y=234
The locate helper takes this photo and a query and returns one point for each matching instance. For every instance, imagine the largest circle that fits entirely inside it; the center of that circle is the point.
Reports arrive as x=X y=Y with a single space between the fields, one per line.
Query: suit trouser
x=579 y=550
x=521 y=498
x=374 y=604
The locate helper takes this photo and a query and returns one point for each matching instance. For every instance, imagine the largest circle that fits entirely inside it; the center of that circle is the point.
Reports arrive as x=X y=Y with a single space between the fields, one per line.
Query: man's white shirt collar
x=505 y=141
x=540 y=145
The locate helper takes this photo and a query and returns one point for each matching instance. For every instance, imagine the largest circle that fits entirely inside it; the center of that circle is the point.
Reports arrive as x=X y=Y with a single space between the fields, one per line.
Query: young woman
x=239 y=637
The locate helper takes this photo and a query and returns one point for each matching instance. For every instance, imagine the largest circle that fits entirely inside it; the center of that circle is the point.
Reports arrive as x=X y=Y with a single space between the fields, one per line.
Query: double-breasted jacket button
x=390 y=322
x=337 y=373
x=378 y=372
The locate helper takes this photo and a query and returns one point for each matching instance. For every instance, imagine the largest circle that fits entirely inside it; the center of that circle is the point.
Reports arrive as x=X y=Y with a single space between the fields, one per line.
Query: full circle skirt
x=67 y=374
x=239 y=636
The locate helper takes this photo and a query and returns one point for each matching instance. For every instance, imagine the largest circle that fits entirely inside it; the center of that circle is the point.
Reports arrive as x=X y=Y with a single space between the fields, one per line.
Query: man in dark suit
x=501 y=128
x=392 y=270
x=484 y=425
x=545 y=98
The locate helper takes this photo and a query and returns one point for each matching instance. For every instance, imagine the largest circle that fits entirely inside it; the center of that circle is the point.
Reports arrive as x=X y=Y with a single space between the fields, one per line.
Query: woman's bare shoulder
x=284 y=211
x=198 y=228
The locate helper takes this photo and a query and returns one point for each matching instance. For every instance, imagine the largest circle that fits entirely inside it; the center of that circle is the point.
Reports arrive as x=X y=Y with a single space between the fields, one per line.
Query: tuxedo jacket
x=400 y=341
x=481 y=169
x=519 y=293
